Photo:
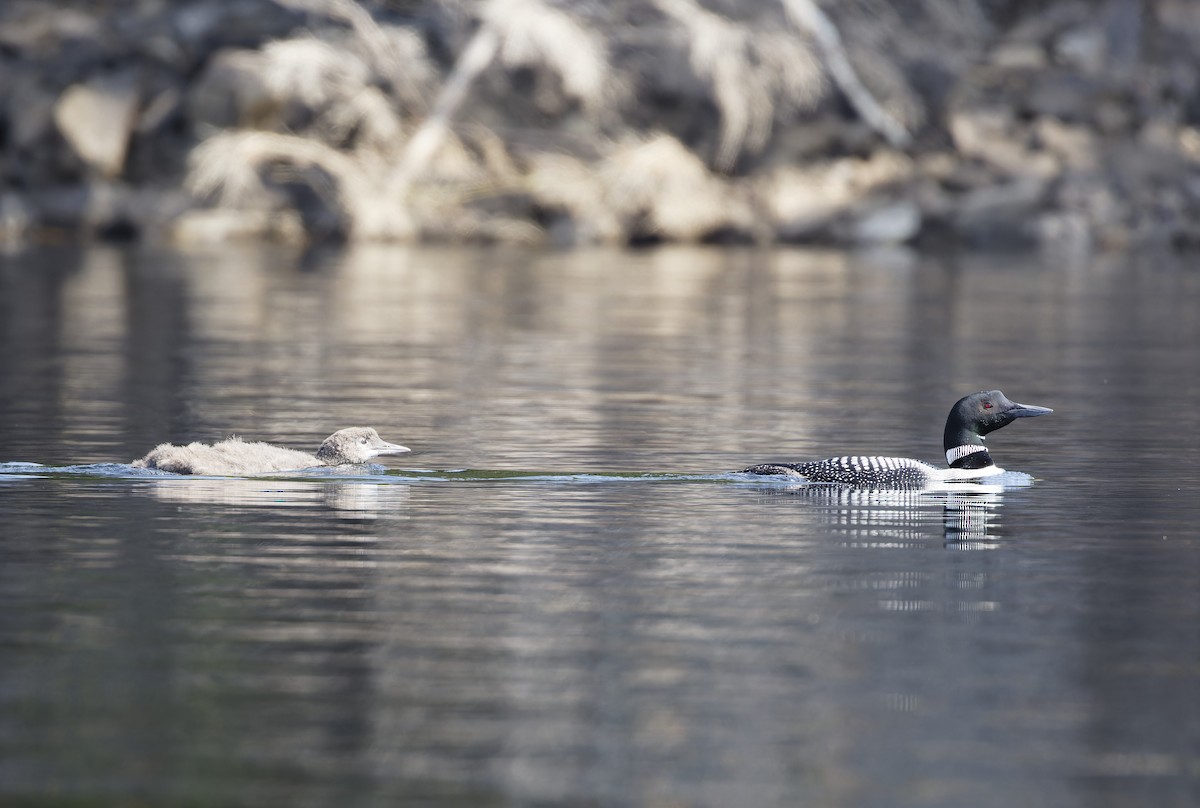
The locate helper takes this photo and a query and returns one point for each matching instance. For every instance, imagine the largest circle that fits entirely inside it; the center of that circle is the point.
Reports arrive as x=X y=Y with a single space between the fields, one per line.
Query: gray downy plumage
x=235 y=457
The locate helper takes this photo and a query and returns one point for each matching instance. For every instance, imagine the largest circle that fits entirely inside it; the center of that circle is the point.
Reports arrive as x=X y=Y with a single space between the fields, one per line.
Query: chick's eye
x=987 y=405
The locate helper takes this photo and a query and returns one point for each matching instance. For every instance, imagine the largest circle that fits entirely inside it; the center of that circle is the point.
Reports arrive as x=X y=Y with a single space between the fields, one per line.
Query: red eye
x=987 y=405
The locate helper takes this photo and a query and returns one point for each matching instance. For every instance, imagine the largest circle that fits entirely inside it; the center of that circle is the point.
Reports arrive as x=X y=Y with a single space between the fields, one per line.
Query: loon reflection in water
x=970 y=419
x=234 y=457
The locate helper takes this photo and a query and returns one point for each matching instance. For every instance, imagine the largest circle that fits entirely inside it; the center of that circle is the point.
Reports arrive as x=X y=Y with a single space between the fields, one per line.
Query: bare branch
x=478 y=54
x=808 y=15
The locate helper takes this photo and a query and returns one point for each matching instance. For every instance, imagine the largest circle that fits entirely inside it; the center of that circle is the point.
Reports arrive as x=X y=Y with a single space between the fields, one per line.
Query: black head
x=976 y=415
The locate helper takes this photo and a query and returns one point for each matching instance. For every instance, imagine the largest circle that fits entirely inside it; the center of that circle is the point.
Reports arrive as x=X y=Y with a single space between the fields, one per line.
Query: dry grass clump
x=802 y=200
x=641 y=188
x=249 y=168
x=541 y=36
x=750 y=73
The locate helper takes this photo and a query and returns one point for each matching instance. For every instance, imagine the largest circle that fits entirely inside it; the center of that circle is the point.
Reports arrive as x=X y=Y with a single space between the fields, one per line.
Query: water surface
x=588 y=609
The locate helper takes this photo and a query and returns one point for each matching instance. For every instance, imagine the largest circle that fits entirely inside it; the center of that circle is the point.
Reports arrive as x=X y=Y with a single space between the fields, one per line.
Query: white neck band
x=959 y=452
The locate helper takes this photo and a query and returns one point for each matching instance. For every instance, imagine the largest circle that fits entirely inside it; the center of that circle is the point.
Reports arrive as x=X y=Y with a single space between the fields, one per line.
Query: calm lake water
x=562 y=598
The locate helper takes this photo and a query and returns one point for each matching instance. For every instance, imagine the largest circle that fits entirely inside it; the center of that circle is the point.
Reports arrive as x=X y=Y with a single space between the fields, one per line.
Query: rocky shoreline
x=1064 y=125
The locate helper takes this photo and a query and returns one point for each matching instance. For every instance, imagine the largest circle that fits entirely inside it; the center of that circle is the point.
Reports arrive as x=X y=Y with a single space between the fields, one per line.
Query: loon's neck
x=969 y=456
x=963 y=443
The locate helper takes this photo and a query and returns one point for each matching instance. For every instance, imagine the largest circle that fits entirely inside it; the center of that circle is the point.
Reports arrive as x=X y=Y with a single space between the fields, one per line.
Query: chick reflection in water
x=356 y=500
x=235 y=457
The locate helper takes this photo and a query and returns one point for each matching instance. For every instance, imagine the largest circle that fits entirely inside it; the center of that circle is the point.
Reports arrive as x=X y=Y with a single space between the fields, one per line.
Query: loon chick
x=970 y=419
x=235 y=457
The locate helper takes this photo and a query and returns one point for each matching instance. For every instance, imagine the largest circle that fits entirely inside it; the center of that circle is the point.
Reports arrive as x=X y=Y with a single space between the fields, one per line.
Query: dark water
x=673 y=637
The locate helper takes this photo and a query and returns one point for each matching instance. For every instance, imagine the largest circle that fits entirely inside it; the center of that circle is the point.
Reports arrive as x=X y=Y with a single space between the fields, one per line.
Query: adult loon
x=970 y=419
x=234 y=456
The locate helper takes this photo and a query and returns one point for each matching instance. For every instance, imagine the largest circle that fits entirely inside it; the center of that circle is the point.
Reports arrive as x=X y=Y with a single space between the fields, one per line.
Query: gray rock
x=231 y=93
x=1093 y=196
x=97 y=117
x=1191 y=187
x=1122 y=36
x=1018 y=56
x=1044 y=20
x=1065 y=95
x=1083 y=47
x=29 y=107
x=1001 y=215
x=1077 y=146
x=16 y=218
x=890 y=223
x=992 y=134
x=59 y=206
x=975 y=130
x=1067 y=233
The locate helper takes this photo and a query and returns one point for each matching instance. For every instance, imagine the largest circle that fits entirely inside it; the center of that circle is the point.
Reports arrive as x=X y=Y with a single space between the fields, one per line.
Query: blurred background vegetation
x=1063 y=123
